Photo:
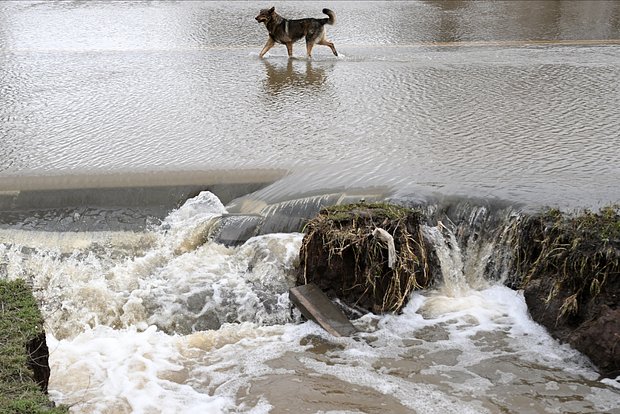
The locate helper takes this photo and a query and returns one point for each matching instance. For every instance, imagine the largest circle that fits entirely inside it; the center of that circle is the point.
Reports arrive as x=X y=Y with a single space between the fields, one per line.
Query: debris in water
x=314 y=305
x=369 y=255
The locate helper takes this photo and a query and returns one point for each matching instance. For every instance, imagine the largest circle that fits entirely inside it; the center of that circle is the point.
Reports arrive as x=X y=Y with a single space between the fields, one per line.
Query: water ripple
x=538 y=121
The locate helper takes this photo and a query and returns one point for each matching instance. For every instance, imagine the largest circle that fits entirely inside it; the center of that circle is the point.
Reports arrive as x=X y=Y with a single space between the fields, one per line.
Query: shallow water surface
x=492 y=99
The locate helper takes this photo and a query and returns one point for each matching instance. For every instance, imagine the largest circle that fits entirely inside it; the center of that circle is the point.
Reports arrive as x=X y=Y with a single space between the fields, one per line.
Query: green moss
x=20 y=321
x=346 y=212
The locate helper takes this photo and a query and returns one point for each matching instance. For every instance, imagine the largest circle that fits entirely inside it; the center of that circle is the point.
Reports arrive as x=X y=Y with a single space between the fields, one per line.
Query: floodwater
x=114 y=115
x=491 y=99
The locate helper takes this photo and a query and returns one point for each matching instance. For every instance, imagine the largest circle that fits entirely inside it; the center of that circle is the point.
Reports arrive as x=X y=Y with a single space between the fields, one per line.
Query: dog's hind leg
x=309 y=46
x=329 y=44
x=268 y=45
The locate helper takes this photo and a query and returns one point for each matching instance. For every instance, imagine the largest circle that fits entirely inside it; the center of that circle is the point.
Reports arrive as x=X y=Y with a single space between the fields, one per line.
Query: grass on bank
x=581 y=252
x=20 y=321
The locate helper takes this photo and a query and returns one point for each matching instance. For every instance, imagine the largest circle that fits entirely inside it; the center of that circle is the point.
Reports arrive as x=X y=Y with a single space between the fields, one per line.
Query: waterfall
x=450 y=258
x=476 y=235
x=472 y=242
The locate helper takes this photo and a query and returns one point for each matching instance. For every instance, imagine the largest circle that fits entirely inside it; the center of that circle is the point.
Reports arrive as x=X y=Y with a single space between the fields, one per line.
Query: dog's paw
x=256 y=55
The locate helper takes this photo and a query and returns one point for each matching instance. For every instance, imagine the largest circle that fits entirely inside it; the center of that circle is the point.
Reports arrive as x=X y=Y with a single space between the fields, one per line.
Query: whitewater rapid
x=169 y=320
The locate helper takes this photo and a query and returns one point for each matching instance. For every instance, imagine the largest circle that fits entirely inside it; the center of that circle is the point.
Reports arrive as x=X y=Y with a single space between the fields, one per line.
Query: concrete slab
x=316 y=306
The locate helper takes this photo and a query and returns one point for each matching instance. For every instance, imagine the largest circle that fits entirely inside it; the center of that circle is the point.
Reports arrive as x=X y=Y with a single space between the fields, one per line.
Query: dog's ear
x=271 y=10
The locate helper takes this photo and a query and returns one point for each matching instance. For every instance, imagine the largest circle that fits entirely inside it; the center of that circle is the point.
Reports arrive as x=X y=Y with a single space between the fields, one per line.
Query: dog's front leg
x=268 y=45
x=289 y=49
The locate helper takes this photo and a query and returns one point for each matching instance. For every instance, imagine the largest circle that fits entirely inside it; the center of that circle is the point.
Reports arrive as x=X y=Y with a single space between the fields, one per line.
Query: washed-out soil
x=344 y=256
x=567 y=265
x=571 y=280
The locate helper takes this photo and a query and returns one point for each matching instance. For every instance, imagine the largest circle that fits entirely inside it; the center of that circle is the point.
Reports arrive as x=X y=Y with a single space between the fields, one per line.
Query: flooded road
x=114 y=114
x=507 y=100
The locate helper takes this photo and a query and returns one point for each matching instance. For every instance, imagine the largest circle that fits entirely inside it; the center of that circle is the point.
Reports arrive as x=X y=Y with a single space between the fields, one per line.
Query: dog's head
x=265 y=15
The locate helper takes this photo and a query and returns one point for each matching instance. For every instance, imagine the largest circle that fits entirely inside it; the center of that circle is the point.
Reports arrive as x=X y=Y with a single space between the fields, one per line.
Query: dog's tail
x=331 y=15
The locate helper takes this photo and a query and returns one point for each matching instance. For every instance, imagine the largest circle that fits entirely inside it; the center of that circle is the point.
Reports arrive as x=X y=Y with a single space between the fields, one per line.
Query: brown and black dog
x=288 y=31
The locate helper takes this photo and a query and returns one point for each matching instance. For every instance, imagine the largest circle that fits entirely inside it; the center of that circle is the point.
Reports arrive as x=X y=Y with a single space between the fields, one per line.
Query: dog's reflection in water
x=295 y=73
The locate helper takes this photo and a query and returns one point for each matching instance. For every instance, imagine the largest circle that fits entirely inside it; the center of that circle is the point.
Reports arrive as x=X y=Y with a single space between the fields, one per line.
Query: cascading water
x=454 y=282
x=169 y=320
x=180 y=282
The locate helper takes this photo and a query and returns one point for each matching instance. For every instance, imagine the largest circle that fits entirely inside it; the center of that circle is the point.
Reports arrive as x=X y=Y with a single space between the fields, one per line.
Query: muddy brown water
x=514 y=100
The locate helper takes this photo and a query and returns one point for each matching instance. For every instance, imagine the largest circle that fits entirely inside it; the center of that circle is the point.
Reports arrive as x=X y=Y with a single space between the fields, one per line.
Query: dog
x=288 y=31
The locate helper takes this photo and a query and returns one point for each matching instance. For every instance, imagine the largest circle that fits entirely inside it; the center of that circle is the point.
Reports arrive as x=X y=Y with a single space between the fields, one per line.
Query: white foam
x=132 y=332
x=107 y=370
x=195 y=210
x=612 y=382
x=181 y=283
x=407 y=392
x=188 y=226
x=214 y=285
x=603 y=400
